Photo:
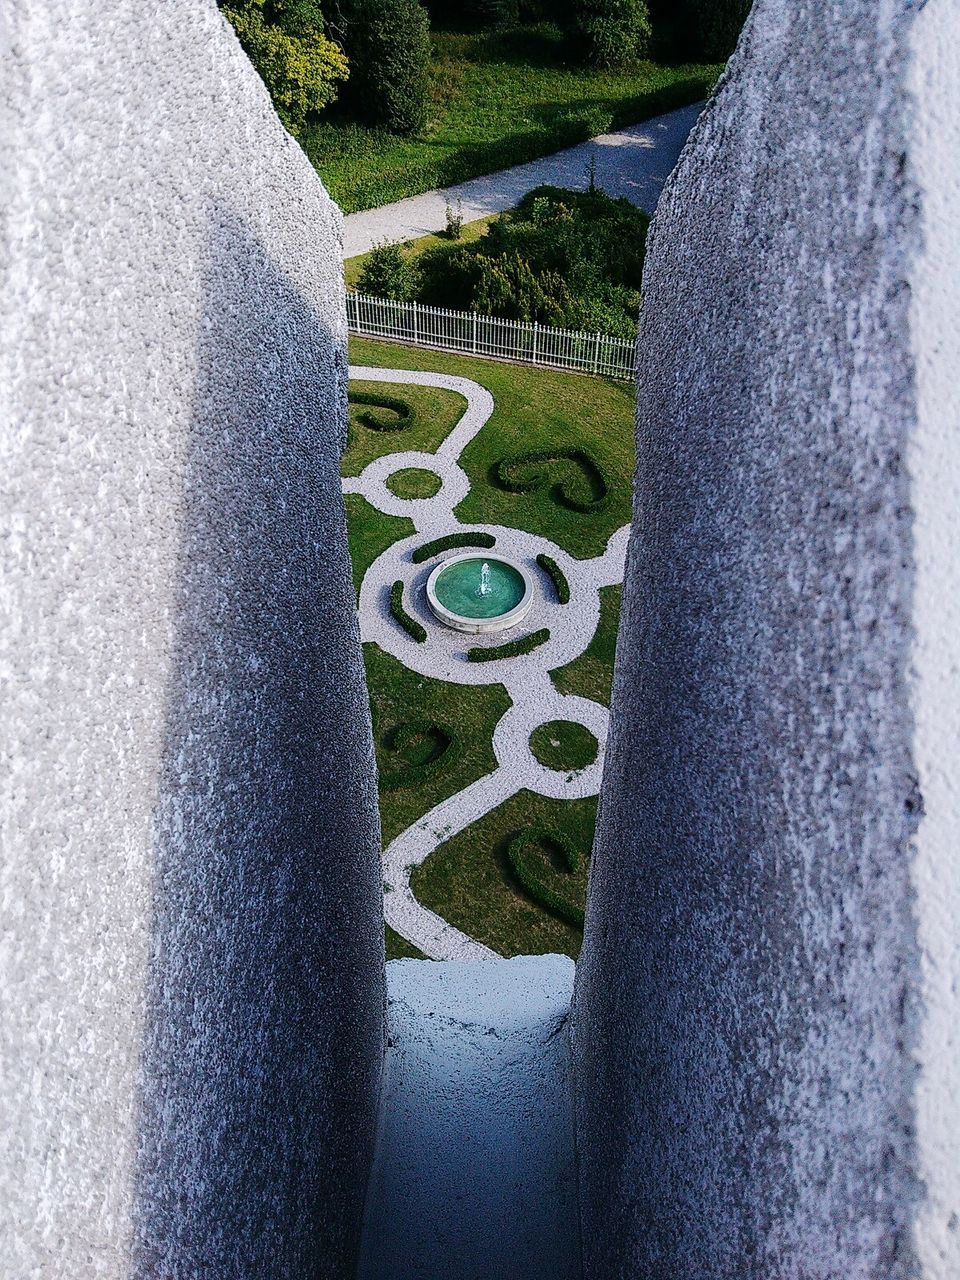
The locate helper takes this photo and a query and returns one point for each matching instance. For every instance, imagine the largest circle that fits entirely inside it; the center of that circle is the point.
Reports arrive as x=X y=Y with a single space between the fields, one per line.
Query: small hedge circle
x=424 y=746
x=531 y=877
x=410 y=625
x=414 y=482
x=528 y=472
x=564 y=745
x=405 y=419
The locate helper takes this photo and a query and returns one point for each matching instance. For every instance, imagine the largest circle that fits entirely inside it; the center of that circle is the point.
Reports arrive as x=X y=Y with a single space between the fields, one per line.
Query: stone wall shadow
x=264 y=1025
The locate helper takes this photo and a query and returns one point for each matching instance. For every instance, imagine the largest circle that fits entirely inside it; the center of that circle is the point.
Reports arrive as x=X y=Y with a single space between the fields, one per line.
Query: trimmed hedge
x=445 y=748
x=450 y=540
x=529 y=878
x=525 y=644
x=410 y=625
x=556 y=575
x=405 y=412
x=530 y=478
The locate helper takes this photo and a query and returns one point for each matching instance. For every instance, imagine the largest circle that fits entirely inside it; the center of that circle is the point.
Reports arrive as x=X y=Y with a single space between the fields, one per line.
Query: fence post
x=536 y=335
x=473 y=328
x=596 y=355
x=416 y=327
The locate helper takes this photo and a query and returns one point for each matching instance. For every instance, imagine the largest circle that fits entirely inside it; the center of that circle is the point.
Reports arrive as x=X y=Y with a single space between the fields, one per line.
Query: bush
x=716 y=26
x=443 y=748
x=299 y=65
x=530 y=878
x=450 y=540
x=556 y=575
x=388 y=45
x=525 y=644
x=611 y=33
x=527 y=472
x=406 y=415
x=387 y=274
x=410 y=625
x=566 y=258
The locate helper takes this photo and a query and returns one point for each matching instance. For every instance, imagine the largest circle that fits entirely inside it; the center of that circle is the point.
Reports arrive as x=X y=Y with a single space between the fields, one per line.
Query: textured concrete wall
x=191 y=928
x=766 y=1012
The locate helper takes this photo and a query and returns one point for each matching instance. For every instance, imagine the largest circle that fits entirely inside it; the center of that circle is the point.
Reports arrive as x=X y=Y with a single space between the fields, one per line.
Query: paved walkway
x=633 y=162
x=526 y=677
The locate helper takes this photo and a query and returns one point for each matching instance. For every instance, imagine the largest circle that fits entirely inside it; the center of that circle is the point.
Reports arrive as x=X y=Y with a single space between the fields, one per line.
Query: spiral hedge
x=410 y=625
x=525 y=644
x=406 y=414
x=530 y=878
x=444 y=747
x=450 y=540
x=556 y=575
x=527 y=472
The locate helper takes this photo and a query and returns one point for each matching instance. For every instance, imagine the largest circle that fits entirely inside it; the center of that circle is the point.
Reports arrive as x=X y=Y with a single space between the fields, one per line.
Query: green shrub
x=406 y=414
x=408 y=742
x=410 y=625
x=299 y=65
x=556 y=575
x=716 y=25
x=388 y=45
x=387 y=274
x=525 y=644
x=528 y=472
x=531 y=879
x=565 y=258
x=450 y=540
x=611 y=33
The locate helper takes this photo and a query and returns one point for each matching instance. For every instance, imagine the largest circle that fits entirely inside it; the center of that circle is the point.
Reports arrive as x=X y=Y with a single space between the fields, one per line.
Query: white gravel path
x=444 y=654
x=633 y=162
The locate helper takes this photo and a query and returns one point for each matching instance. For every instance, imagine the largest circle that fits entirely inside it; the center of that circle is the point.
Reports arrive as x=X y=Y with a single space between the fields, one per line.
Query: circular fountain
x=479 y=593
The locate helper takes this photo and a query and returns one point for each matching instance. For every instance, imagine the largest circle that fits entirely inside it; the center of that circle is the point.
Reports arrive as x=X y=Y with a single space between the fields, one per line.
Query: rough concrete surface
x=771 y=938
x=191 y=942
x=474 y=1176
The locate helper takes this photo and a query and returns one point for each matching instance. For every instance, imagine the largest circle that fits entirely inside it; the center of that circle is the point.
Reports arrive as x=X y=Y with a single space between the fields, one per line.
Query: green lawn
x=467 y=712
x=537 y=409
x=498 y=99
x=469 y=880
x=589 y=675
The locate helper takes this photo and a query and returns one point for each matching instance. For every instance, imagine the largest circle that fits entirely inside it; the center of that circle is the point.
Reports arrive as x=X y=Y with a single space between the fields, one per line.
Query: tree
x=388 y=45
x=387 y=274
x=611 y=33
x=299 y=65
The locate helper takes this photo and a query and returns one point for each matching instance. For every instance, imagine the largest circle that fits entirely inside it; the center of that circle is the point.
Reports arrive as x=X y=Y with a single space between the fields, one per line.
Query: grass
x=397 y=695
x=369 y=533
x=498 y=99
x=437 y=413
x=590 y=675
x=564 y=745
x=399 y=948
x=469 y=880
x=536 y=409
x=414 y=482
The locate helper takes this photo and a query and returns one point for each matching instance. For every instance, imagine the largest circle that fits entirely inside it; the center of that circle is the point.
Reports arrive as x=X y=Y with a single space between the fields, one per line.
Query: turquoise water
x=458 y=588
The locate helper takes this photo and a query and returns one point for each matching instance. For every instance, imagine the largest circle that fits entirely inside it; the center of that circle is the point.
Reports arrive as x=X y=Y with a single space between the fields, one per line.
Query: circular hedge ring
x=531 y=876
x=405 y=414
x=424 y=746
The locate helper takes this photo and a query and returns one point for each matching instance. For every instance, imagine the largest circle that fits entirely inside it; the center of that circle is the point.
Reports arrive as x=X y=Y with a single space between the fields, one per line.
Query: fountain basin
x=468 y=597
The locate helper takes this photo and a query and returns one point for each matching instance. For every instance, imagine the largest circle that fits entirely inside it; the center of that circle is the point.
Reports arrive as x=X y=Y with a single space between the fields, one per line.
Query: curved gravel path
x=444 y=655
x=633 y=162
